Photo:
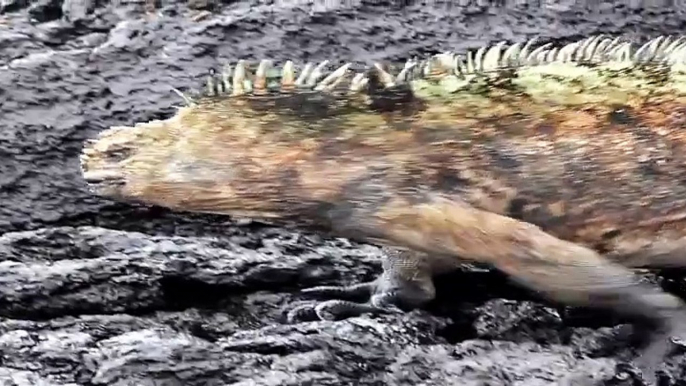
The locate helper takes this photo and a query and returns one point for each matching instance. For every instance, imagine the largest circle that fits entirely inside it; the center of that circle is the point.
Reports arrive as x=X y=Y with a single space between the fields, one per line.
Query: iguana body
x=562 y=170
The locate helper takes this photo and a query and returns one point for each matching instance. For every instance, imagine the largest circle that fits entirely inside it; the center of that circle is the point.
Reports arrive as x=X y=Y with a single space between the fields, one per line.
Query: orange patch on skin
x=557 y=208
x=572 y=122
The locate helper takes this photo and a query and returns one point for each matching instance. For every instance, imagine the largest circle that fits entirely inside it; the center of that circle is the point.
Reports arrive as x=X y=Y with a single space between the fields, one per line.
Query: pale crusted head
x=244 y=146
x=224 y=148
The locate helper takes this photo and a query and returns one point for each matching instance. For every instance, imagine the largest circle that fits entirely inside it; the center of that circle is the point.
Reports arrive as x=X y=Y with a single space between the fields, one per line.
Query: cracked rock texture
x=98 y=293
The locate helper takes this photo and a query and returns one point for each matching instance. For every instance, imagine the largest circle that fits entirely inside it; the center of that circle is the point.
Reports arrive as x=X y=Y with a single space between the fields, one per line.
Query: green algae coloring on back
x=560 y=166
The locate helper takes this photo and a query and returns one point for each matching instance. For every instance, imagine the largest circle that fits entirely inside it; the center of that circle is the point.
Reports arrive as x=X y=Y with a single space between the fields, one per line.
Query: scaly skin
x=562 y=175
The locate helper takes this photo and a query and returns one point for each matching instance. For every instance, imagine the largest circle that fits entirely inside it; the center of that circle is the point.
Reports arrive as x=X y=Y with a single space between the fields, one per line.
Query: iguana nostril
x=101 y=176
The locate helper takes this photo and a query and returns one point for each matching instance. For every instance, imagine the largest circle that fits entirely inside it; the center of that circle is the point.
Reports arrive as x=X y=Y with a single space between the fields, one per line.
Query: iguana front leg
x=405 y=284
x=559 y=270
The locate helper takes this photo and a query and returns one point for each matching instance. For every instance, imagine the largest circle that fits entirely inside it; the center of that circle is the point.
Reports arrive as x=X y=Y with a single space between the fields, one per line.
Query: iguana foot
x=405 y=284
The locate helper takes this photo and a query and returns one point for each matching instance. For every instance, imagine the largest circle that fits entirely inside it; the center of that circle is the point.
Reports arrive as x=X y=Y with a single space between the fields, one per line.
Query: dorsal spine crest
x=237 y=81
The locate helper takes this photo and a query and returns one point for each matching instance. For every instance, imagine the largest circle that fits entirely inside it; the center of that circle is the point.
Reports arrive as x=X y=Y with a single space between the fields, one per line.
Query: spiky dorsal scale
x=288 y=77
x=545 y=71
x=333 y=79
x=260 y=81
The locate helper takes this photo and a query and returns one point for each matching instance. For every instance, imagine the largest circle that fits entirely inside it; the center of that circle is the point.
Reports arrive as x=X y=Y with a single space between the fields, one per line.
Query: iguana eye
x=621 y=115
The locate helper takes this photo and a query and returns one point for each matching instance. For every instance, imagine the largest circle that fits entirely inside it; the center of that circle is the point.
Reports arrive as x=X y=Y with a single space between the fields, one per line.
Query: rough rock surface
x=98 y=293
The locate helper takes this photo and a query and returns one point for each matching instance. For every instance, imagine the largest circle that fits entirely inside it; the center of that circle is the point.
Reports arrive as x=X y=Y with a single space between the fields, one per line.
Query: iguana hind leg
x=559 y=270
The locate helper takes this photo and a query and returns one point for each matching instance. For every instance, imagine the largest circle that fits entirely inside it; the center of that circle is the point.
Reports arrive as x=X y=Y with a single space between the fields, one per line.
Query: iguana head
x=236 y=147
x=278 y=141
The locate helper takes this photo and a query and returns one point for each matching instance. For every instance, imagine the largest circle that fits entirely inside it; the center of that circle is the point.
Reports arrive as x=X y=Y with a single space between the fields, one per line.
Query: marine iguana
x=562 y=166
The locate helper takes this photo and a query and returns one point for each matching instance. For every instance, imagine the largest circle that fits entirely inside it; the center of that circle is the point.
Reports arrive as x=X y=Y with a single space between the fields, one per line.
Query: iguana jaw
x=122 y=161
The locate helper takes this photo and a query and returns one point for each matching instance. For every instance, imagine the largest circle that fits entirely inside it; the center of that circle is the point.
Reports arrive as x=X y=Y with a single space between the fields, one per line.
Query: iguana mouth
x=108 y=161
x=96 y=171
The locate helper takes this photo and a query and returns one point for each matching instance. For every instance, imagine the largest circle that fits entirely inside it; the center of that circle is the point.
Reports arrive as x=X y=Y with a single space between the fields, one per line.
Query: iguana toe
x=336 y=310
x=387 y=300
x=370 y=292
x=351 y=292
